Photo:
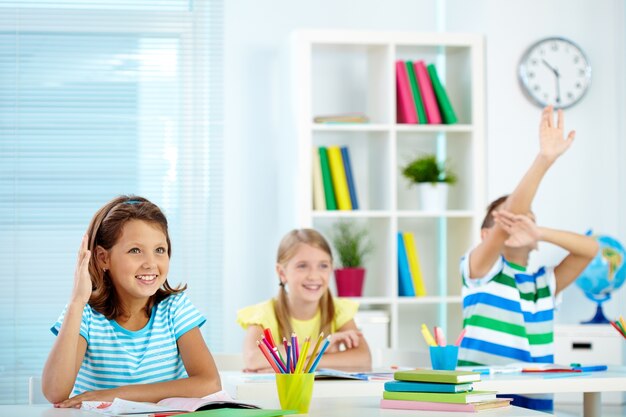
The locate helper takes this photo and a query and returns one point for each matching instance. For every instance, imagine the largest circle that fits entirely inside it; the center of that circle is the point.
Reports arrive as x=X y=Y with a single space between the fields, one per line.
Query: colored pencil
x=428 y=337
x=460 y=338
x=312 y=358
x=319 y=355
x=269 y=357
x=302 y=356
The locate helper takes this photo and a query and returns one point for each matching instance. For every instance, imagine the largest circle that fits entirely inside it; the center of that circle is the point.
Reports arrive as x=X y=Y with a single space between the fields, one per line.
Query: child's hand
x=522 y=229
x=76 y=402
x=348 y=338
x=82 y=279
x=551 y=137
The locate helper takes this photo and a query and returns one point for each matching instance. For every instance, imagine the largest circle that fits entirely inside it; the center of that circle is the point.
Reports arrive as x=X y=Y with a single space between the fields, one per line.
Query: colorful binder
x=442 y=97
x=404 y=100
x=426 y=88
x=347 y=165
x=338 y=174
x=417 y=95
x=329 y=192
x=405 y=286
x=319 y=200
x=414 y=264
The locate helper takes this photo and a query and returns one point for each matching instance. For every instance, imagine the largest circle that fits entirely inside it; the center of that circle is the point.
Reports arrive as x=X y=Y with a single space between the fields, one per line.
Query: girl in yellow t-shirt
x=305 y=306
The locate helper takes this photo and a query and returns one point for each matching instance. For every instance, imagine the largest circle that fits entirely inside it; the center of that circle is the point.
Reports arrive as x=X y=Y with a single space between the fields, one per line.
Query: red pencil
x=268 y=356
x=268 y=335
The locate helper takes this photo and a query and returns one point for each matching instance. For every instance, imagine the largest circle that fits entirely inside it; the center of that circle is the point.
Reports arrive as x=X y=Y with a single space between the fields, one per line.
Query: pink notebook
x=429 y=406
x=405 y=110
x=428 y=94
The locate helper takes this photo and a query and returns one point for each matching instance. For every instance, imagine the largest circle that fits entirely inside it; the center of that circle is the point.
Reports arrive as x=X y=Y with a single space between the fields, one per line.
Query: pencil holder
x=444 y=357
x=295 y=391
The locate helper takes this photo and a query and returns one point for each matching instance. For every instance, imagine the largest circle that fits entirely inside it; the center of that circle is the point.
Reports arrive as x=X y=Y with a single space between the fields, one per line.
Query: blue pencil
x=288 y=358
x=319 y=355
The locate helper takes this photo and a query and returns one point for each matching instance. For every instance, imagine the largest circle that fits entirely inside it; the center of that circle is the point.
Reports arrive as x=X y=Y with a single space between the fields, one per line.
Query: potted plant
x=432 y=178
x=352 y=245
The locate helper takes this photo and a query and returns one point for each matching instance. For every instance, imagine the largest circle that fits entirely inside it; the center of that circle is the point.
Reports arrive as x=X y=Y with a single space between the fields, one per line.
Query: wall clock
x=554 y=71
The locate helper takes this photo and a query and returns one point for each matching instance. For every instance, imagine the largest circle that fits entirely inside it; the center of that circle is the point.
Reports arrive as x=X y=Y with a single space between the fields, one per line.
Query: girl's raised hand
x=82 y=279
x=551 y=136
x=348 y=338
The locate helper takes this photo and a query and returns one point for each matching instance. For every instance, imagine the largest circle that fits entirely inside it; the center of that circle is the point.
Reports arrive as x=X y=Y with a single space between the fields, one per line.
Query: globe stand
x=599 y=318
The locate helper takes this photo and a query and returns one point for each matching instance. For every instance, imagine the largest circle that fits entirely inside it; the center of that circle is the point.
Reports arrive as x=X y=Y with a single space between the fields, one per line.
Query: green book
x=447 y=112
x=329 y=192
x=240 y=412
x=442 y=397
x=430 y=375
x=417 y=94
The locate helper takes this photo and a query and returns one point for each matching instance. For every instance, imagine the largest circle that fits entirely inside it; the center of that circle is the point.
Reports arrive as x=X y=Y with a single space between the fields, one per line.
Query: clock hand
x=554 y=70
x=557 y=79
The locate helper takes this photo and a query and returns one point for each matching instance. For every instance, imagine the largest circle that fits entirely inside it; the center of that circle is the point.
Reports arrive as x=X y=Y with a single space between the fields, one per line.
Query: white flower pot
x=433 y=196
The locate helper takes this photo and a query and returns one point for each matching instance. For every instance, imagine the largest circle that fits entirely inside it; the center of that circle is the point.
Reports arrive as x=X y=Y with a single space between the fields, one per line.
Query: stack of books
x=425 y=389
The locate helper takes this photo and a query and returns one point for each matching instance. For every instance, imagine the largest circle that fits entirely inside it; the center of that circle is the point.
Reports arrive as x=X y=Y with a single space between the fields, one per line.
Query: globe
x=604 y=274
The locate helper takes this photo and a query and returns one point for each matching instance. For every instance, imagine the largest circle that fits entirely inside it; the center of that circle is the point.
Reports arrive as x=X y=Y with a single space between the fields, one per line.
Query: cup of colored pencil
x=294 y=372
x=442 y=355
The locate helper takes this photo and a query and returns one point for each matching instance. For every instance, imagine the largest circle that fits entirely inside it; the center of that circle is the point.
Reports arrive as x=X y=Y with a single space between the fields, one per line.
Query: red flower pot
x=350 y=281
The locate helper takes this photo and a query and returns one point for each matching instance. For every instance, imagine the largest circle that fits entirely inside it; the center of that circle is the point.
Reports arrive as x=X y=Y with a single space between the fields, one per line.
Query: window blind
x=98 y=99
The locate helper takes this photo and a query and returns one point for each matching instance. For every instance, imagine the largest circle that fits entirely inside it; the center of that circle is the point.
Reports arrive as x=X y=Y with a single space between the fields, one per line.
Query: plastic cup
x=444 y=357
x=295 y=391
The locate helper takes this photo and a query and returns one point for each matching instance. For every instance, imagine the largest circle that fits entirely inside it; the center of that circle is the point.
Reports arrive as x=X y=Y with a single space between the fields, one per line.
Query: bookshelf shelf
x=341 y=72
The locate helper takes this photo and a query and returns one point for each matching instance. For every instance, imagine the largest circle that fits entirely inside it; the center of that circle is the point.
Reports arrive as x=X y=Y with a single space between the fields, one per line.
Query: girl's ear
x=102 y=255
x=280 y=271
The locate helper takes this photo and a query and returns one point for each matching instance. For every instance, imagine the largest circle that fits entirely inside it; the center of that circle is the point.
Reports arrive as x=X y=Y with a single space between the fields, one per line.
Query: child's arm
x=203 y=378
x=523 y=232
x=356 y=355
x=582 y=249
x=66 y=356
x=552 y=145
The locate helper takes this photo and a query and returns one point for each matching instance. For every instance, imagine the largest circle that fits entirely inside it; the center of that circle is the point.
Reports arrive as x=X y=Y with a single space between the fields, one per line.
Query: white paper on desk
x=122 y=407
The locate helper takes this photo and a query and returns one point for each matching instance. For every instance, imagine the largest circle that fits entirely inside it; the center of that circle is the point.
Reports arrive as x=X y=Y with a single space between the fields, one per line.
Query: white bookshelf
x=354 y=71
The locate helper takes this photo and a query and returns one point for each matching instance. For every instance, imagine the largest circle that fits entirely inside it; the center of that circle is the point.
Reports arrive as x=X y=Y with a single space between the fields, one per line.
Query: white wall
x=580 y=192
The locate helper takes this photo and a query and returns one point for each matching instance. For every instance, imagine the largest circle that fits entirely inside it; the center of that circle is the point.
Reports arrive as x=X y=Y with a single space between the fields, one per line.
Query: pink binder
x=426 y=88
x=405 y=109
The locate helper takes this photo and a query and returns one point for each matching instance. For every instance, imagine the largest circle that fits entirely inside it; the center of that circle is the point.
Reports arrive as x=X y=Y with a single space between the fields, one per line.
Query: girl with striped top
x=508 y=311
x=125 y=331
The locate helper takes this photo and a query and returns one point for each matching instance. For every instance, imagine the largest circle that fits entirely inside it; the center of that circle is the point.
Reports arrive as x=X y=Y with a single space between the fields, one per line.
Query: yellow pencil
x=302 y=358
x=428 y=337
x=621 y=320
x=312 y=358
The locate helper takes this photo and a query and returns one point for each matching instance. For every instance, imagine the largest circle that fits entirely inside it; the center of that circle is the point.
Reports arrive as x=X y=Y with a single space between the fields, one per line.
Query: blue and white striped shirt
x=116 y=356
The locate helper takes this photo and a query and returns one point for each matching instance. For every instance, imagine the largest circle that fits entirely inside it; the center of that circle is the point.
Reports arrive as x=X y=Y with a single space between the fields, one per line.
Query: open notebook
x=120 y=407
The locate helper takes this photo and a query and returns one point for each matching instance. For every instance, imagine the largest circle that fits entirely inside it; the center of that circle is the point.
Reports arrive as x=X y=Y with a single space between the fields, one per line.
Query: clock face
x=555 y=71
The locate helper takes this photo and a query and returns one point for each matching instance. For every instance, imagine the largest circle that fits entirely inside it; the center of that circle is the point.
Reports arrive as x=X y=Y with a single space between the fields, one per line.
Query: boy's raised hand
x=522 y=229
x=551 y=138
x=82 y=279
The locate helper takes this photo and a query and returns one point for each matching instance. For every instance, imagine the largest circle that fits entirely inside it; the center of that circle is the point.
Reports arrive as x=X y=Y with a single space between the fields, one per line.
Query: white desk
x=332 y=407
x=591 y=384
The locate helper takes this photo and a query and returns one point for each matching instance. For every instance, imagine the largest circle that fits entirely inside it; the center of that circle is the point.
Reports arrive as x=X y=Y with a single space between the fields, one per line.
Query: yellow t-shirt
x=263 y=315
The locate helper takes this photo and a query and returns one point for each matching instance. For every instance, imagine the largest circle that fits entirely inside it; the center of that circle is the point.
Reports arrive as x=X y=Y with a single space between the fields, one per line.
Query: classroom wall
x=581 y=191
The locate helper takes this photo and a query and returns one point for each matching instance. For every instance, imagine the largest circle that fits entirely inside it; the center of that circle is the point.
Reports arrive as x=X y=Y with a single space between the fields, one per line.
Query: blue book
x=347 y=166
x=405 y=283
x=404 y=386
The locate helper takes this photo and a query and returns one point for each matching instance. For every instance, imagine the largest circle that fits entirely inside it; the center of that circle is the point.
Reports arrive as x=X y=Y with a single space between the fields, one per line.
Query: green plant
x=352 y=244
x=426 y=168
